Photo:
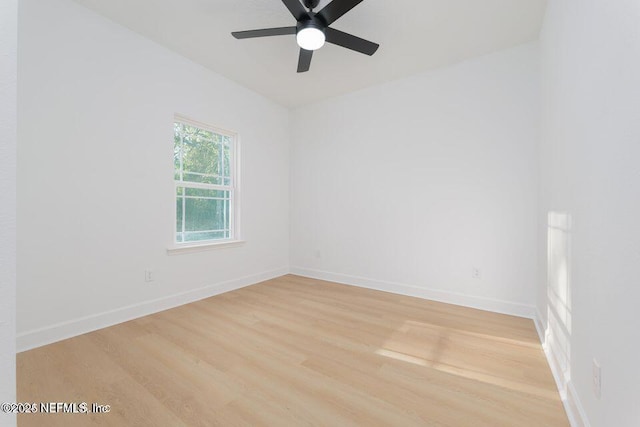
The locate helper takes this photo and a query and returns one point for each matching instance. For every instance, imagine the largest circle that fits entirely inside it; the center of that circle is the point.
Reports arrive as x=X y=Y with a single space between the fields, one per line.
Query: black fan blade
x=304 y=60
x=265 y=32
x=351 y=42
x=334 y=10
x=295 y=7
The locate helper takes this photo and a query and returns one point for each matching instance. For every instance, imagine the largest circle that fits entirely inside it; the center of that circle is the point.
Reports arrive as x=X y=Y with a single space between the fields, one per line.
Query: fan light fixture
x=310 y=38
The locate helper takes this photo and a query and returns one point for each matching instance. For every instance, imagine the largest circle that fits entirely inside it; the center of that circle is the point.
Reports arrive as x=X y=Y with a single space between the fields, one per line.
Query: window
x=205 y=183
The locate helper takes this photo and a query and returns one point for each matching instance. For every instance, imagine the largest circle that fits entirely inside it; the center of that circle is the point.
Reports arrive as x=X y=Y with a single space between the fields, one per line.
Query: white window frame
x=233 y=188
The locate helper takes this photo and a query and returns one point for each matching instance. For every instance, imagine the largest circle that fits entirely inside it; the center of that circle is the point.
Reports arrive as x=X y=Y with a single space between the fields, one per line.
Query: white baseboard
x=570 y=400
x=576 y=407
x=488 y=304
x=540 y=328
x=63 y=330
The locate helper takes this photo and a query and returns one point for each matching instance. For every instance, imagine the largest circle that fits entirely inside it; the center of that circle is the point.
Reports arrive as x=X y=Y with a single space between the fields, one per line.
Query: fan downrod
x=311 y=4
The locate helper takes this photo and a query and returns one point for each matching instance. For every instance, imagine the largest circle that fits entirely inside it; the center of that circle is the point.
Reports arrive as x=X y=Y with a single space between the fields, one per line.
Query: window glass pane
x=177 y=149
x=203 y=192
x=200 y=154
x=202 y=214
x=194 y=236
x=227 y=161
x=179 y=214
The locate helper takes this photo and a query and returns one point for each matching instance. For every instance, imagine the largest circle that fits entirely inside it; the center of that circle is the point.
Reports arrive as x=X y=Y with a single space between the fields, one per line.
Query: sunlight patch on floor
x=429 y=346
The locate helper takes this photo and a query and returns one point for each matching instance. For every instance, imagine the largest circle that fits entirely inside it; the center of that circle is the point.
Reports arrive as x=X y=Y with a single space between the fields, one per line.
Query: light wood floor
x=297 y=352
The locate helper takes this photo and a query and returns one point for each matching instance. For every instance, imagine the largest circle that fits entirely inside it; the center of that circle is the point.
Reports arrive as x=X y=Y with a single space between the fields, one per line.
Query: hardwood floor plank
x=295 y=351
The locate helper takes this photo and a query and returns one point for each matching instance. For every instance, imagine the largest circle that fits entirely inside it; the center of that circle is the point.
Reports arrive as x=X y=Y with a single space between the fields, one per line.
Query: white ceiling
x=414 y=36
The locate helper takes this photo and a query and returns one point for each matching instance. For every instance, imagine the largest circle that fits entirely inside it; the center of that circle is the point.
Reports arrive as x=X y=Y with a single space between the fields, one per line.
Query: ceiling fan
x=312 y=29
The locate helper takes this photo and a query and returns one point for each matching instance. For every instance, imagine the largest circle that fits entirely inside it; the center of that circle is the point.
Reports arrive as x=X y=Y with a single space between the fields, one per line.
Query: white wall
x=408 y=185
x=590 y=170
x=404 y=186
x=8 y=69
x=95 y=189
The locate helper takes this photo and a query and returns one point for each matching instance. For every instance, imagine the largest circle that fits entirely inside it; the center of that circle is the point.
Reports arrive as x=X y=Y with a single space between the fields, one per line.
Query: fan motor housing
x=313 y=22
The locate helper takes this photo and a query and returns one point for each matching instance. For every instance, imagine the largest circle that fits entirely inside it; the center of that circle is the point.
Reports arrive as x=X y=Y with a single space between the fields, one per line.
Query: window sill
x=186 y=248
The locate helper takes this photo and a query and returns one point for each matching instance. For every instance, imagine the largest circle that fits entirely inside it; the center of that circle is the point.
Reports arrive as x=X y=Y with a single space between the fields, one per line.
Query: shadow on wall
x=558 y=333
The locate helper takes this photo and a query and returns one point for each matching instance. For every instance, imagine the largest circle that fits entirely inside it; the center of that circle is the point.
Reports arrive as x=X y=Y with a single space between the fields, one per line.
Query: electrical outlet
x=148 y=275
x=596 y=379
x=475 y=272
